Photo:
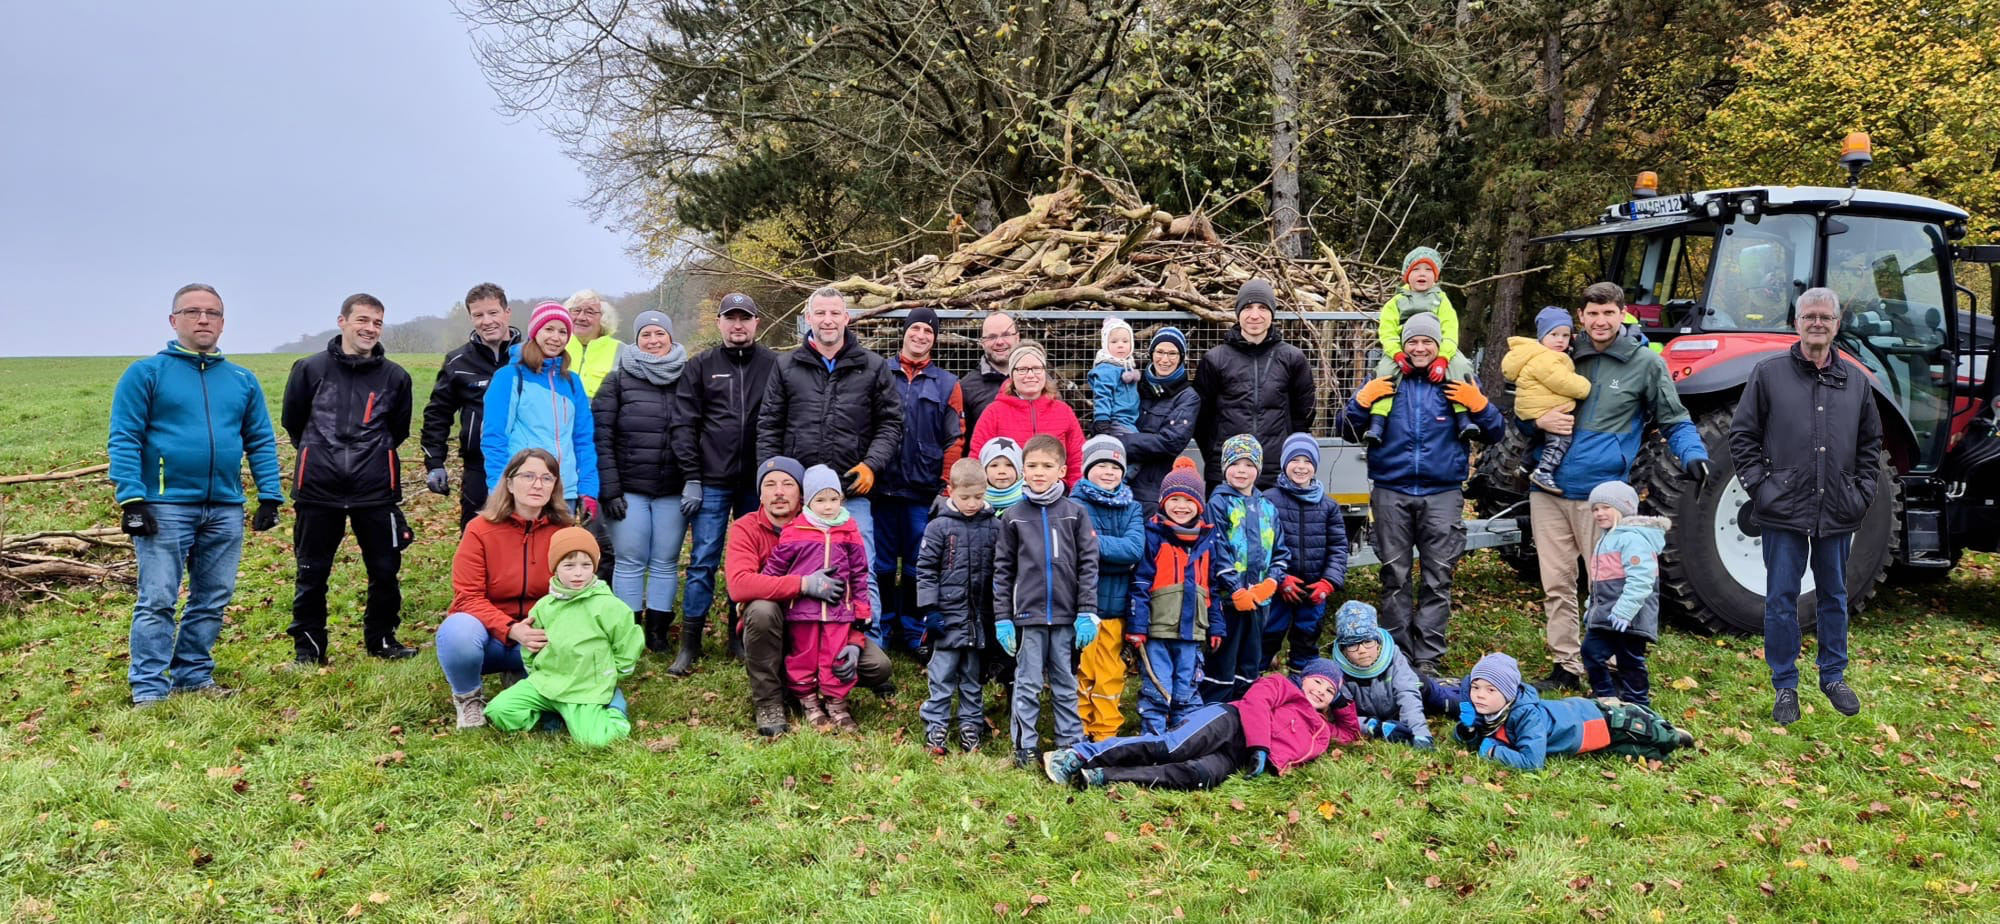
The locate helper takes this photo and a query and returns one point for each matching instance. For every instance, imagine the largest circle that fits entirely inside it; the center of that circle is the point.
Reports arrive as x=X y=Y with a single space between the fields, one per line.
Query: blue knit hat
x=1171 y=335
x=1242 y=446
x=1321 y=667
x=1549 y=319
x=786 y=464
x=1500 y=670
x=1183 y=480
x=820 y=478
x=1354 y=623
x=1300 y=444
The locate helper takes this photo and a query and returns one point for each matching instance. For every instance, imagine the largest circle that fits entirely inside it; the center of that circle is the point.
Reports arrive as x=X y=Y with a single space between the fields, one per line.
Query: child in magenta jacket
x=823 y=538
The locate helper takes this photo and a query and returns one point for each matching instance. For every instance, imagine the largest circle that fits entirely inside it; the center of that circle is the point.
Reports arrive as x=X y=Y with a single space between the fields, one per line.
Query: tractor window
x=1761 y=264
x=1893 y=311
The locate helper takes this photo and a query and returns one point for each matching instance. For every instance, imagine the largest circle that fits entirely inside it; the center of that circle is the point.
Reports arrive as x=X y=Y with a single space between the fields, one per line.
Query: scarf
x=659 y=370
x=1311 y=495
x=1088 y=492
x=1104 y=356
x=561 y=591
x=828 y=522
x=1157 y=387
x=1187 y=534
x=1002 y=498
x=1053 y=494
x=1372 y=671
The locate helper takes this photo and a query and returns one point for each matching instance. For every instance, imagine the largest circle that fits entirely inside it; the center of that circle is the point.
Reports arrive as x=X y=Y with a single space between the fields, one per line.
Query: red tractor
x=1711 y=277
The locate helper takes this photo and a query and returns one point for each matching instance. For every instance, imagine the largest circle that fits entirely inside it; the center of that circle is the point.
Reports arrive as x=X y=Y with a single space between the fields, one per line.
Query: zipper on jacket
x=299 y=479
x=369 y=411
x=527 y=535
x=163 y=477
x=208 y=414
x=1049 y=573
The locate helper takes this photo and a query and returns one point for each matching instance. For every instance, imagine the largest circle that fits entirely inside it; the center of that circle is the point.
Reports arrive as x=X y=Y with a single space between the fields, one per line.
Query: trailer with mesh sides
x=1340 y=345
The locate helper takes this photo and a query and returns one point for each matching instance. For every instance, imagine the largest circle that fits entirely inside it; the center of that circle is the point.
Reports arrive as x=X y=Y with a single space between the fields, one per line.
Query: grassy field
x=346 y=796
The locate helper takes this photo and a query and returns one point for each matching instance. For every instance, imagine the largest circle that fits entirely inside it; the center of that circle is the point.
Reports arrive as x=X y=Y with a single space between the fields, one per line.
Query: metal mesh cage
x=1341 y=346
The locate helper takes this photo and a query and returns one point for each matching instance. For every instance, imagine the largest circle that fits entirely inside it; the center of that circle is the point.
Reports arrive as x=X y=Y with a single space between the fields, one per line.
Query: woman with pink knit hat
x=536 y=402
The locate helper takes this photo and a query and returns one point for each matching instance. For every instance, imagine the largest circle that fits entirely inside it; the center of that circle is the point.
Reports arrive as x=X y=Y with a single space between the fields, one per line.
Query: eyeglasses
x=588 y=313
x=1819 y=318
x=1030 y=370
x=535 y=477
x=996 y=338
x=197 y=314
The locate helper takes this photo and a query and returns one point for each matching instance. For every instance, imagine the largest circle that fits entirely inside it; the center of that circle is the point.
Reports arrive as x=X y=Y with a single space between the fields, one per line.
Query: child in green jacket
x=592 y=641
x=1419 y=296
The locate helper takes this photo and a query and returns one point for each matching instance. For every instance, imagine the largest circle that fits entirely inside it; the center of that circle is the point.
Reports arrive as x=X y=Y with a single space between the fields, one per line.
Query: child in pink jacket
x=823 y=538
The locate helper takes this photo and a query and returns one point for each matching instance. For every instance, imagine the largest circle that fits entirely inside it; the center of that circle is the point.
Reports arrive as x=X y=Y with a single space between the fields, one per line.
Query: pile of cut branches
x=42 y=562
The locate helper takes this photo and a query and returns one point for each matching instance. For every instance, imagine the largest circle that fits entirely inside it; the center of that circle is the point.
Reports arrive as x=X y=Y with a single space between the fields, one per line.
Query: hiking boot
x=690 y=650
x=1842 y=697
x=471 y=709
x=657 y=623
x=213 y=690
x=735 y=649
x=934 y=740
x=970 y=737
x=1027 y=759
x=1785 y=710
x=1061 y=765
x=771 y=720
x=1559 y=678
x=388 y=649
x=815 y=711
x=1683 y=739
x=1467 y=430
x=837 y=712
x=1088 y=778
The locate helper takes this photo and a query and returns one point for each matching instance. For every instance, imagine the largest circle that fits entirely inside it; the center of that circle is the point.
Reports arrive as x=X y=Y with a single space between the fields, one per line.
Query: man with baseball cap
x=713 y=437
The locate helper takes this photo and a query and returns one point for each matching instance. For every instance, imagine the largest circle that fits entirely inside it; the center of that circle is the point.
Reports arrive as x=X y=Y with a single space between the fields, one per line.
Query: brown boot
x=836 y=709
x=815 y=711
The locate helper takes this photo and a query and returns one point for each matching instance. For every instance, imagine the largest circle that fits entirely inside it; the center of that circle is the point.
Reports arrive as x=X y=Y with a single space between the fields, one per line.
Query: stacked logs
x=42 y=562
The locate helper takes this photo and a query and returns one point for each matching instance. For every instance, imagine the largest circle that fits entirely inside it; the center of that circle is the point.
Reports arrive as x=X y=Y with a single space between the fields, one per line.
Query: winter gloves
x=1138 y=643
x=1398 y=733
x=1292 y=590
x=1374 y=391
x=614 y=507
x=690 y=500
x=1003 y=631
x=1318 y=591
x=847 y=662
x=821 y=585
x=859 y=480
x=1086 y=630
x=1249 y=598
x=1466 y=395
x=1699 y=470
x=138 y=520
x=589 y=507
x=438 y=480
x=1260 y=761
x=267 y=515
x=1298 y=591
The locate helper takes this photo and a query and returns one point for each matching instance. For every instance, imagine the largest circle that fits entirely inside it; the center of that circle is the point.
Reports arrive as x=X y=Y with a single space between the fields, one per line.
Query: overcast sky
x=287 y=153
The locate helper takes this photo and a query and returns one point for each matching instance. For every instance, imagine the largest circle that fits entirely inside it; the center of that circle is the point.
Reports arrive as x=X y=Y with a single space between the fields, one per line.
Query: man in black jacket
x=346 y=410
x=998 y=336
x=833 y=402
x=1807 y=442
x=714 y=437
x=1253 y=382
x=461 y=391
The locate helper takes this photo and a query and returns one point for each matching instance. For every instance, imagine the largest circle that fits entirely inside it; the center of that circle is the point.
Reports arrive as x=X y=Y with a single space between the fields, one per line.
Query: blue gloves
x=1621 y=625
x=1004 y=632
x=1486 y=747
x=934 y=623
x=1467 y=715
x=1086 y=630
x=1260 y=761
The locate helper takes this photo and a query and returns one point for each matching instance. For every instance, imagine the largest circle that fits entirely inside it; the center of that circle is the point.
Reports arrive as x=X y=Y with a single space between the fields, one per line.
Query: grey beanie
x=1424 y=325
x=1500 y=670
x=1256 y=292
x=1618 y=496
x=1102 y=448
x=650 y=317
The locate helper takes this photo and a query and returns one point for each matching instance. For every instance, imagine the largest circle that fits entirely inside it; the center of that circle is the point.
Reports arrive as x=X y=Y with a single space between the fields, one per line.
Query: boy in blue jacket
x=1121 y=536
x=1316 y=538
x=1250 y=561
x=1172 y=609
x=1624 y=614
x=1507 y=721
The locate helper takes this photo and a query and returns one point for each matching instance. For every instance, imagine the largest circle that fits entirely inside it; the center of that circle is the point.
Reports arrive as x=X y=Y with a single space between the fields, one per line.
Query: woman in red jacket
x=500 y=570
x=1027 y=406
x=1281 y=723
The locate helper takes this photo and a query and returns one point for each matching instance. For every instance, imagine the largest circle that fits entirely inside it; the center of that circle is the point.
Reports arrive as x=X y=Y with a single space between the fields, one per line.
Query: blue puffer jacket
x=1166 y=425
x=1629 y=385
x=1121 y=538
x=544 y=409
x=181 y=423
x=1420 y=453
x=1535 y=728
x=1314 y=532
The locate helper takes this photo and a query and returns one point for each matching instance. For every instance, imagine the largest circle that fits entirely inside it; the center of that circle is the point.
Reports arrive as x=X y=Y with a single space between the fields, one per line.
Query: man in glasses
x=182 y=421
x=998 y=336
x=1807 y=442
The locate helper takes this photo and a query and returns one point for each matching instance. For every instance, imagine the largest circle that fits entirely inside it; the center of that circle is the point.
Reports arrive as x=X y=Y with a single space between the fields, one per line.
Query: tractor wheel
x=1498 y=488
x=1712 y=572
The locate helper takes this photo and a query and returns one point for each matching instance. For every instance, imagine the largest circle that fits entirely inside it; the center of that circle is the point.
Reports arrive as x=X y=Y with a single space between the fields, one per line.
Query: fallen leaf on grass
x=1685 y=683
x=1237 y=804
x=1327 y=810
x=1111 y=837
x=219 y=773
x=393 y=757
x=1432 y=882
x=378 y=898
x=1889 y=731
x=1850 y=864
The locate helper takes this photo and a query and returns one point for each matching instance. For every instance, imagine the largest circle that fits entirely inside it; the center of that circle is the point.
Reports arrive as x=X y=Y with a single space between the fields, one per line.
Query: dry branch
x=55 y=476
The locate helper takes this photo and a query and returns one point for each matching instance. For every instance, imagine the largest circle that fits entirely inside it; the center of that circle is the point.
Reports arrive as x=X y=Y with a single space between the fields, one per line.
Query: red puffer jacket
x=1020 y=420
x=1278 y=718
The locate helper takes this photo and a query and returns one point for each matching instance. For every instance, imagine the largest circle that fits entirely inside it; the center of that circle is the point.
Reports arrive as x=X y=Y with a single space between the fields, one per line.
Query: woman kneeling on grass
x=500 y=571
x=1277 y=726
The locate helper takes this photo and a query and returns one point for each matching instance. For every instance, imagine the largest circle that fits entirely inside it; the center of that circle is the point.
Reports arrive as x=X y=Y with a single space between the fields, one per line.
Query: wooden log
x=55 y=476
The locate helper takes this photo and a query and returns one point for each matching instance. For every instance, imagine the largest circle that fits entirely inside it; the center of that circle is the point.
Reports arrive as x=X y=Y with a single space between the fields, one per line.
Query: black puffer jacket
x=1264 y=389
x=1807 y=443
x=715 y=414
x=346 y=415
x=980 y=387
x=841 y=418
x=461 y=390
x=1166 y=424
x=955 y=574
x=633 y=416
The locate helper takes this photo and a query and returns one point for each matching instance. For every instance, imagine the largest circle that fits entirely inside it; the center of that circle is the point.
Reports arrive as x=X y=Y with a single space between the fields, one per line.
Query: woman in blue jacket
x=536 y=402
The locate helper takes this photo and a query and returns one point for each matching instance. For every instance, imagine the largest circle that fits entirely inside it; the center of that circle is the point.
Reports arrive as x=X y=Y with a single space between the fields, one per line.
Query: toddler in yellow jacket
x=1545 y=379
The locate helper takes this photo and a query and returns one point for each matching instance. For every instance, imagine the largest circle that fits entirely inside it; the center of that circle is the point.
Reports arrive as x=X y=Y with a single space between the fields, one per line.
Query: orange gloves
x=860 y=479
x=1466 y=395
x=1374 y=391
x=1249 y=597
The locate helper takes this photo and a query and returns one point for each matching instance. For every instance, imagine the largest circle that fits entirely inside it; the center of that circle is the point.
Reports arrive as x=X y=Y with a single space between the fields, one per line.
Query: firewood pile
x=39 y=563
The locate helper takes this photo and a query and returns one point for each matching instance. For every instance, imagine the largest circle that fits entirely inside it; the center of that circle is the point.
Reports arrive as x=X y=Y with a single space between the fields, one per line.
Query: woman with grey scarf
x=640 y=481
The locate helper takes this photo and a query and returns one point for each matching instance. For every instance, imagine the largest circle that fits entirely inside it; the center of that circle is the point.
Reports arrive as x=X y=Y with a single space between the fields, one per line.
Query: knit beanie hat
x=1618 y=496
x=1242 y=446
x=1424 y=325
x=786 y=464
x=1103 y=448
x=1182 y=480
x=917 y=316
x=1111 y=324
x=1027 y=348
x=820 y=478
x=1422 y=255
x=1300 y=444
x=1000 y=447
x=652 y=318
x=1354 y=623
x=1256 y=292
x=572 y=539
x=1549 y=319
x=1171 y=335
x=1321 y=667
x=1500 y=670
x=546 y=312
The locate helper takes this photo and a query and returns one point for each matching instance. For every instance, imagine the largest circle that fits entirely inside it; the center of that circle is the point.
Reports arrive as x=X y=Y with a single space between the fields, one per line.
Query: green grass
x=346 y=795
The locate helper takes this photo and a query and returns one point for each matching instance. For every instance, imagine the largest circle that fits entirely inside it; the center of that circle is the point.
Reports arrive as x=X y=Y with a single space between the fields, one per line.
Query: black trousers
x=316 y=535
x=1199 y=753
x=471 y=492
x=1630 y=682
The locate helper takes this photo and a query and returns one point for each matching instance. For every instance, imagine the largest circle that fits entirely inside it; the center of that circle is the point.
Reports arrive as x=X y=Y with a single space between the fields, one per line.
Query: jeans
x=1177 y=665
x=1787 y=554
x=1431 y=529
x=1629 y=682
x=1236 y=665
x=899 y=534
x=468 y=652
x=648 y=540
x=1198 y=753
x=1043 y=659
x=205 y=540
x=317 y=532
x=719 y=506
x=954 y=671
x=864 y=519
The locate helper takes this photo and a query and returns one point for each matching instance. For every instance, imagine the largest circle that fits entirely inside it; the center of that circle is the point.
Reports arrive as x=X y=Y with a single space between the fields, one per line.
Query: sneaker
x=388 y=649
x=1842 y=697
x=1545 y=481
x=934 y=740
x=1683 y=739
x=970 y=737
x=1061 y=765
x=1088 y=778
x=1026 y=759
x=1559 y=678
x=471 y=709
x=1785 y=710
x=213 y=690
